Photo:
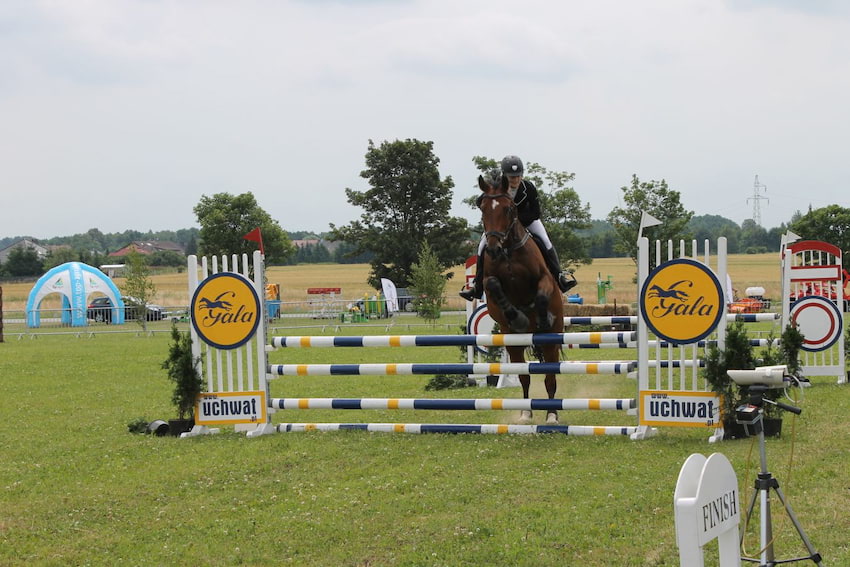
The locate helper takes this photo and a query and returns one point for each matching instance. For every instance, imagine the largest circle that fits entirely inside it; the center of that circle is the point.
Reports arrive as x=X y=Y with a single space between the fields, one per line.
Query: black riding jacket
x=527 y=203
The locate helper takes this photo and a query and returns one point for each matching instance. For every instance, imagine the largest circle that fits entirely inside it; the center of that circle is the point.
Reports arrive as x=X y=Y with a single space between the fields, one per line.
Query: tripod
x=752 y=414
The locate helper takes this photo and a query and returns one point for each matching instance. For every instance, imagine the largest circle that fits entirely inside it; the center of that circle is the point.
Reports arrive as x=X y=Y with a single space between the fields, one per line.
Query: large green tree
x=225 y=219
x=561 y=209
x=408 y=204
x=655 y=198
x=828 y=224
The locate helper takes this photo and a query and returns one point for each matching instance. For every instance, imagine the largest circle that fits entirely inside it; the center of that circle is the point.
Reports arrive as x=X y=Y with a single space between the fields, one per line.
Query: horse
x=522 y=294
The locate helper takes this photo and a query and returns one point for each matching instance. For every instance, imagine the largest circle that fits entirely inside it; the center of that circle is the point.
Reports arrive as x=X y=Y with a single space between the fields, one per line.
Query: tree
x=225 y=219
x=59 y=256
x=167 y=258
x=23 y=261
x=138 y=287
x=428 y=284
x=829 y=224
x=710 y=227
x=562 y=211
x=655 y=198
x=754 y=238
x=408 y=204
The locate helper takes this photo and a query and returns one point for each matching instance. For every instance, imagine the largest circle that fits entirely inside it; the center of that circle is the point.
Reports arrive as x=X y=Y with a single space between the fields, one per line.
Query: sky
x=119 y=114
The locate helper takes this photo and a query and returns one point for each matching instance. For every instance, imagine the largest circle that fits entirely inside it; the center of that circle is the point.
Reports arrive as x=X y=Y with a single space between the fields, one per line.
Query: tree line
x=407 y=206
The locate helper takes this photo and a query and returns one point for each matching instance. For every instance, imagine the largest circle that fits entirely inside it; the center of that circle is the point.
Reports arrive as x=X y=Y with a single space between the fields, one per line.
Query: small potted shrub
x=738 y=355
x=182 y=369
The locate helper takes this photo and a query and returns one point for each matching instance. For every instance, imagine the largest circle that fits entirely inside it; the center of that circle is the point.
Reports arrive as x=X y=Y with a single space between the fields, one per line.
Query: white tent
x=74 y=281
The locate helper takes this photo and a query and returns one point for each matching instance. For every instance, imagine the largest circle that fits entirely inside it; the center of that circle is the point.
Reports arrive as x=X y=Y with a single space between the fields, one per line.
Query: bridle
x=503 y=237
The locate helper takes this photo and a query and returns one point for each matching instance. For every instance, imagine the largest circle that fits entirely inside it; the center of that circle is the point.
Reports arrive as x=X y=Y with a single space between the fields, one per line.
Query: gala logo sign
x=225 y=310
x=682 y=301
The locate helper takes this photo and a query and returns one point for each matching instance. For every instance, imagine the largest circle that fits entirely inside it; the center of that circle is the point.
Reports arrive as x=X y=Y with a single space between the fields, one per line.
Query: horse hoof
x=552 y=418
x=525 y=417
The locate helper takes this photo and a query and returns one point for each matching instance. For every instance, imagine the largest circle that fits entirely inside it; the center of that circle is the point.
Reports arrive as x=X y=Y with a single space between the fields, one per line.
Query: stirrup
x=470 y=294
x=566 y=284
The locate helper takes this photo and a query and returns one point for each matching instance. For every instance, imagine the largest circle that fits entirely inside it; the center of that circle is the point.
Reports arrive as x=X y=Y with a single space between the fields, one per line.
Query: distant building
x=148 y=247
x=40 y=250
x=301 y=243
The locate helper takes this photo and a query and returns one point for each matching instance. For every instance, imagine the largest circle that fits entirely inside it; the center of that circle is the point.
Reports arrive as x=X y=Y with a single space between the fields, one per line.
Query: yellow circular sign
x=682 y=301
x=225 y=310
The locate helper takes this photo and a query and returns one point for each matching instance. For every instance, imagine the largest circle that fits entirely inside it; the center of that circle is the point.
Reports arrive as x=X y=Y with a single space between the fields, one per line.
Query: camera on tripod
x=758 y=381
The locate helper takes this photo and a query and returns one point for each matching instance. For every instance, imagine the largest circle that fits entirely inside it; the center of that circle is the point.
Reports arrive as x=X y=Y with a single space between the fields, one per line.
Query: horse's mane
x=495 y=179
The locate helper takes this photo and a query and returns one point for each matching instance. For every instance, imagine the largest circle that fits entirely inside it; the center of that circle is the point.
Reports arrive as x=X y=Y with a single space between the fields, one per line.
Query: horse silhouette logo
x=217 y=303
x=656 y=291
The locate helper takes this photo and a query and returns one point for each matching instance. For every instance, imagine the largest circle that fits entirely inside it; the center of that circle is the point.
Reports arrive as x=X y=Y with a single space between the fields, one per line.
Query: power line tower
x=756 y=198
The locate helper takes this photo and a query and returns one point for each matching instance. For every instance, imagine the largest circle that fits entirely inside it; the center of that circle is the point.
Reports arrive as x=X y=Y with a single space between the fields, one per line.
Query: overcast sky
x=120 y=115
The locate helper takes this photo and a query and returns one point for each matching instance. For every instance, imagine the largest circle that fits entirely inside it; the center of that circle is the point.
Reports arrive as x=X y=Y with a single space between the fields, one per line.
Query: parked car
x=100 y=309
x=405 y=299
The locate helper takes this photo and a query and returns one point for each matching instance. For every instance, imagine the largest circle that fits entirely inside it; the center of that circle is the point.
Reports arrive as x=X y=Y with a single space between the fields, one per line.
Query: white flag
x=647 y=220
x=791 y=237
x=390 y=294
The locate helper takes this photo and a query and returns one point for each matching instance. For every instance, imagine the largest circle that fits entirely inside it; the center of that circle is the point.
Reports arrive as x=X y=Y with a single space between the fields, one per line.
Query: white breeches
x=537 y=229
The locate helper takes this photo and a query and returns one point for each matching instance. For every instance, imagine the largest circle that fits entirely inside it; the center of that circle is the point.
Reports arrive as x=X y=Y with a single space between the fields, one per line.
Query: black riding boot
x=477 y=290
x=565 y=282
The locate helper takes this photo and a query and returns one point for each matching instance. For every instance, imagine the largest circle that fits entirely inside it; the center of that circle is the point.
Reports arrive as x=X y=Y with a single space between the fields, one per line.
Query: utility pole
x=756 y=198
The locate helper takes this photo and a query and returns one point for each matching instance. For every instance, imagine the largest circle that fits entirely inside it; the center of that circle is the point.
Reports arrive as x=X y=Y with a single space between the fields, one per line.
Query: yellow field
x=173 y=289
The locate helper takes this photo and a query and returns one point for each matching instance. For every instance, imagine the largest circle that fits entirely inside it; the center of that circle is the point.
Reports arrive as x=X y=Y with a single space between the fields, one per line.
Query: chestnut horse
x=522 y=295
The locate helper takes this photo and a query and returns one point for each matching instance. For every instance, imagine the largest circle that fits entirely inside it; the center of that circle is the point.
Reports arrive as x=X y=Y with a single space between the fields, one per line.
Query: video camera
x=758 y=381
x=768 y=376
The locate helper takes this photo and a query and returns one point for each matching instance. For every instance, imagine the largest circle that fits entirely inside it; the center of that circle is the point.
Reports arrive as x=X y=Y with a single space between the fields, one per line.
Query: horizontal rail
x=632 y=319
x=484 y=368
x=752 y=317
x=523 y=339
x=452 y=404
x=602 y=320
x=677 y=363
x=582 y=430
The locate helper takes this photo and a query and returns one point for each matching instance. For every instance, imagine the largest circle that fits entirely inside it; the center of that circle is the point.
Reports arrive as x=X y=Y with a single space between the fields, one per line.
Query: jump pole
x=580 y=430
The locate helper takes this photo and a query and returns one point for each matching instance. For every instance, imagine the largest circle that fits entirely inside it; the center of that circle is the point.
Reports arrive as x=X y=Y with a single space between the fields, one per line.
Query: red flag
x=256 y=236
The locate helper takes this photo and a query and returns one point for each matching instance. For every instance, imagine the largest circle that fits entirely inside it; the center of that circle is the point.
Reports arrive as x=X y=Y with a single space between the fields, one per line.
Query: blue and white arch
x=74 y=281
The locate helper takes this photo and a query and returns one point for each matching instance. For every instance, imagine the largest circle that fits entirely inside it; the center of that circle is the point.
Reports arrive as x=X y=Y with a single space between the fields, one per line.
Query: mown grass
x=77 y=489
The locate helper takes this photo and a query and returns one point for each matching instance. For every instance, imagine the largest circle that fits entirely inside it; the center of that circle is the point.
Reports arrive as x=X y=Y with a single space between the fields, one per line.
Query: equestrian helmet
x=512 y=166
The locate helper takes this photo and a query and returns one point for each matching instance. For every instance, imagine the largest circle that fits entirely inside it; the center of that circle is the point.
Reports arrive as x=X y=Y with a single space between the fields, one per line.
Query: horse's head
x=498 y=214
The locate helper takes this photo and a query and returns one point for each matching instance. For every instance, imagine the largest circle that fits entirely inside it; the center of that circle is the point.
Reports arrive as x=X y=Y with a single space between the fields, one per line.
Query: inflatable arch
x=75 y=281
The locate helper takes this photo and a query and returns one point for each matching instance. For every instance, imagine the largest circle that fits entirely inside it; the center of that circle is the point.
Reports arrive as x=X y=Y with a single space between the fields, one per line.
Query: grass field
x=745 y=270
x=79 y=489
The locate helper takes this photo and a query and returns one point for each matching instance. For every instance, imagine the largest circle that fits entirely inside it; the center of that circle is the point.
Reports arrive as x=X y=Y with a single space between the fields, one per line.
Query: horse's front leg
x=517 y=354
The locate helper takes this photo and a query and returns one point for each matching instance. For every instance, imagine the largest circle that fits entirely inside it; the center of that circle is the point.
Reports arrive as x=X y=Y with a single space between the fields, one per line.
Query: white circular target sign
x=819 y=320
x=480 y=323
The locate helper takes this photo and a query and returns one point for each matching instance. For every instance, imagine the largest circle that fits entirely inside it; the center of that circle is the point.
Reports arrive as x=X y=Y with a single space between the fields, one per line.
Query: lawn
x=79 y=489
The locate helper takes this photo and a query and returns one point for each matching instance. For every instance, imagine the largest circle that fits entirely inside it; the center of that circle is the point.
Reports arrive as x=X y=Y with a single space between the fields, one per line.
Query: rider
x=524 y=194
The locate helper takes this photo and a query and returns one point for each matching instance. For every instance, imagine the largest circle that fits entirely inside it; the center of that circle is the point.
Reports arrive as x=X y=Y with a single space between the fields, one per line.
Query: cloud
x=143 y=106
